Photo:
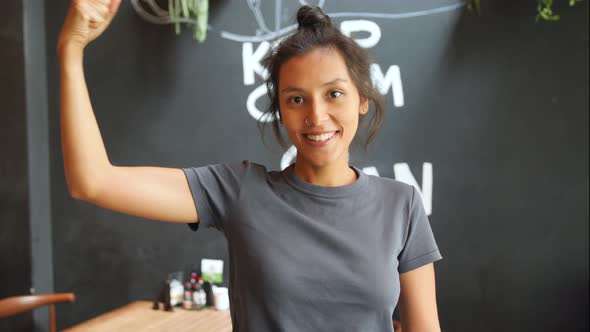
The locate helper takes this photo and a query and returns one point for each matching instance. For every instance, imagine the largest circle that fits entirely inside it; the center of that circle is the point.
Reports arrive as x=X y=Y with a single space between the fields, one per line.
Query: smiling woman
x=319 y=246
x=320 y=85
x=316 y=33
x=320 y=107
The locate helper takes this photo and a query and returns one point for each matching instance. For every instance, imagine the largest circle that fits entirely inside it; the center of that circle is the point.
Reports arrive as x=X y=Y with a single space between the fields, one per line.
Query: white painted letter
x=251 y=104
x=288 y=157
x=403 y=173
x=348 y=27
x=391 y=79
x=251 y=61
x=371 y=170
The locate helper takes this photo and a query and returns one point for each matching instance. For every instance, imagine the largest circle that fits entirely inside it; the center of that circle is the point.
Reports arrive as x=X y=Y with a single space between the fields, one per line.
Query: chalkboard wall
x=487 y=116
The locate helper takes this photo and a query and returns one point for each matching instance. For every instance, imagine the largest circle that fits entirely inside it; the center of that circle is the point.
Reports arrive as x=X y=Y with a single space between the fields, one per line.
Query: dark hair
x=315 y=30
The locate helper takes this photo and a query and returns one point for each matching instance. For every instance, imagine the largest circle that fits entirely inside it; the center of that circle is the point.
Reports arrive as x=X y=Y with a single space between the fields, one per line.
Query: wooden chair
x=15 y=305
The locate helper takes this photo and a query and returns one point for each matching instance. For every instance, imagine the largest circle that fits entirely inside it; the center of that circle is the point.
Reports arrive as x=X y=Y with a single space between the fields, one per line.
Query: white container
x=220 y=298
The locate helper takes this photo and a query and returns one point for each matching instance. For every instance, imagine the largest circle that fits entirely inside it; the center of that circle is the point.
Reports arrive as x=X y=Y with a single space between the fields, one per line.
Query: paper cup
x=220 y=298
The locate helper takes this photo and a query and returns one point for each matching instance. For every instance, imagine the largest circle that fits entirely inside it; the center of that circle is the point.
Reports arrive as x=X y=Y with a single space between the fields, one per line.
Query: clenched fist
x=86 y=20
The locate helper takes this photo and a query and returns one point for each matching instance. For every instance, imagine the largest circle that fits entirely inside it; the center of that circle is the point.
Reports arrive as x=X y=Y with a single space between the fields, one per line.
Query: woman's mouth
x=320 y=139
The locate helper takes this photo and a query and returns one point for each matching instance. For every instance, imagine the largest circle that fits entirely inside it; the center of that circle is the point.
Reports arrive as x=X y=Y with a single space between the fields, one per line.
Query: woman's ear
x=364 y=106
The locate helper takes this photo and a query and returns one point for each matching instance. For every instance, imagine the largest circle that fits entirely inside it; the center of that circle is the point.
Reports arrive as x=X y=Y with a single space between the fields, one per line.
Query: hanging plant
x=544 y=9
x=192 y=12
x=546 y=13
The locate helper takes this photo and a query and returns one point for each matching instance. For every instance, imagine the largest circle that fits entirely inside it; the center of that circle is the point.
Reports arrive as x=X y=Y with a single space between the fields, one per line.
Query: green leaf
x=184 y=8
x=202 y=14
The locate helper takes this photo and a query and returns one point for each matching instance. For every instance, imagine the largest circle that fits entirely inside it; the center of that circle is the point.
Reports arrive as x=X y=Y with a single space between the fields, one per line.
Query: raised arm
x=149 y=192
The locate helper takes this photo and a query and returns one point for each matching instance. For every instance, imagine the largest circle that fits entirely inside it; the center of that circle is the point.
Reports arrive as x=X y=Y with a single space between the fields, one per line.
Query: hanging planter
x=193 y=13
x=192 y=10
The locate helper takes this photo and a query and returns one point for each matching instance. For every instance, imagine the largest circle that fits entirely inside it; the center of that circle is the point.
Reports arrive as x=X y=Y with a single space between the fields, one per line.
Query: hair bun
x=311 y=17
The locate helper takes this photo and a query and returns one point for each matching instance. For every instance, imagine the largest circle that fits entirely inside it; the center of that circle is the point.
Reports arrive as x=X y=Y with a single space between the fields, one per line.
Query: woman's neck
x=332 y=175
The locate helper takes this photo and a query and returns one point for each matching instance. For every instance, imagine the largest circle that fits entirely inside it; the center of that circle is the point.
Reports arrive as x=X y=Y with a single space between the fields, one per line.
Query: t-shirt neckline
x=339 y=191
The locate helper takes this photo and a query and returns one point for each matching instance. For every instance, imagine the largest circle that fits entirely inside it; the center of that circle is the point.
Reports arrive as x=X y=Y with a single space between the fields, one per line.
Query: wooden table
x=139 y=316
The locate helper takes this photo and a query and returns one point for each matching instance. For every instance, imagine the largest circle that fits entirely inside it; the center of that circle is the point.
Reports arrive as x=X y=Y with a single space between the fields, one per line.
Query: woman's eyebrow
x=334 y=81
x=296 y=89
x=292 y=89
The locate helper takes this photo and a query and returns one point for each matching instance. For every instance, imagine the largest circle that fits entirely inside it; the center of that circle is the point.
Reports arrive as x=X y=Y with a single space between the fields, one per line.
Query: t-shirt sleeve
x=420 y=247
x=214 y=189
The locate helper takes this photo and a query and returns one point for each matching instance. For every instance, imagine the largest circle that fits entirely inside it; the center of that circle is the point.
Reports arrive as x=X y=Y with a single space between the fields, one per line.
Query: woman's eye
x=296 y=99
x=335 y=94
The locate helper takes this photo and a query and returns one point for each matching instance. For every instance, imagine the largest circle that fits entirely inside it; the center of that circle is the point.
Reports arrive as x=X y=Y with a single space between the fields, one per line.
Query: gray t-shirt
x=308 y=258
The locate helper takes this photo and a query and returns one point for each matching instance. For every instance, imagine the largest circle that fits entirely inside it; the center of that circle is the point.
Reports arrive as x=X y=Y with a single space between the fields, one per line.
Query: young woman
x=320 y=246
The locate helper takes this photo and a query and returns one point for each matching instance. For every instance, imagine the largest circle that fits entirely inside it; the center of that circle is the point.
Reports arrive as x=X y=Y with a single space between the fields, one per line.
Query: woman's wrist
x=70 y=53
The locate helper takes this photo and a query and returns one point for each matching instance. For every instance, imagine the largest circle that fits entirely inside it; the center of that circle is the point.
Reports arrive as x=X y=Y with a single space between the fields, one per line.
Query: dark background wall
x=497 y=104
x=15 y=249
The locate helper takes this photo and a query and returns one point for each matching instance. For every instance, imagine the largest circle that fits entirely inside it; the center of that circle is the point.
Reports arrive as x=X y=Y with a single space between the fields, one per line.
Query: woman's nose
x=318 y=113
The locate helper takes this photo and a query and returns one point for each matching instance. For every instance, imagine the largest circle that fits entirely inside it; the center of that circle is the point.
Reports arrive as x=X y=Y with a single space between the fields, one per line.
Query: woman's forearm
x=84 y=154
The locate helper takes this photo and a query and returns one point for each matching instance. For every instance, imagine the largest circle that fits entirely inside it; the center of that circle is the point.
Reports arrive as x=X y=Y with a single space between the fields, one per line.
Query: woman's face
x=317 y=87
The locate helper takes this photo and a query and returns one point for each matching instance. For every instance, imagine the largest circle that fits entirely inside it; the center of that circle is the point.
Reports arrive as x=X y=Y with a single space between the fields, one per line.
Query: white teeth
x=320 y=138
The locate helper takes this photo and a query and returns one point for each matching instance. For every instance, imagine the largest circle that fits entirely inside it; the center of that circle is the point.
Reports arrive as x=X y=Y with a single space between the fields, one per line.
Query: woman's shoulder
x=237 y=170
x=248 y=168
x=390 y=186
x=254 y=166
x=243 y=164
